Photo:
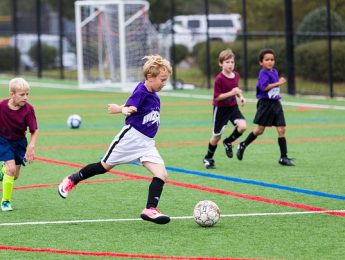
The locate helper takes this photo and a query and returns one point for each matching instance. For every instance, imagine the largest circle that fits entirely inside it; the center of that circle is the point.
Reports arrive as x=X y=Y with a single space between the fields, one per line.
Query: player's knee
x=259 y=131
x=241 y=127
x=11 y=171
x=215 y=139
x=281 y=131
x=163 y=175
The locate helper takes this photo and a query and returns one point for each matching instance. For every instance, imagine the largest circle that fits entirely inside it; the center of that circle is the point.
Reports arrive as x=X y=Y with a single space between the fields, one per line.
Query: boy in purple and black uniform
x=269 y=109
x=16 y=116
x=135 y=141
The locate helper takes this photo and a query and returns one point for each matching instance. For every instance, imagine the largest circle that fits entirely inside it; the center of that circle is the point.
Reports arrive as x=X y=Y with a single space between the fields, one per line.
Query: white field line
x=286 y=103
x=182 y=95
x=181 y=217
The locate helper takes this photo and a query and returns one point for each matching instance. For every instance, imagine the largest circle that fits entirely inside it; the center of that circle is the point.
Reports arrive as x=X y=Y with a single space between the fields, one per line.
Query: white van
x=191 y=29
x=26 y=41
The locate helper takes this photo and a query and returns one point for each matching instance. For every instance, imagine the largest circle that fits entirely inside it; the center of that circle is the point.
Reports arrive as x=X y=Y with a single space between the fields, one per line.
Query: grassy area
x=303 y=87
x=195 y=77
x=267 y=211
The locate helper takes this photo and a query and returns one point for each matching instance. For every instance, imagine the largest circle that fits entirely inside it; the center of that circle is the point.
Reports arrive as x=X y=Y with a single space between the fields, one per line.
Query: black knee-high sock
x=211 y=150
x=282 y=146
x=87 y=172
x=250 y=138
x=234 y=135
x=155 y=191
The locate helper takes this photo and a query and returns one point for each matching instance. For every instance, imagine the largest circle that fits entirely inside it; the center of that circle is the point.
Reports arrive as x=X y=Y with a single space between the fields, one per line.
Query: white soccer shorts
x=129 y=145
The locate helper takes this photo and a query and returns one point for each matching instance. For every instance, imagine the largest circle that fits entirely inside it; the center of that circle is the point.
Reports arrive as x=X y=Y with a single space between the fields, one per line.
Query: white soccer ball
x=74 y=121
x=206 y=213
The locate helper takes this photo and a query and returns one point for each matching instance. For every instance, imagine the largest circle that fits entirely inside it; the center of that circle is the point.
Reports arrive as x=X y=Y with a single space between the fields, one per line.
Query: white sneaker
x=6 y=206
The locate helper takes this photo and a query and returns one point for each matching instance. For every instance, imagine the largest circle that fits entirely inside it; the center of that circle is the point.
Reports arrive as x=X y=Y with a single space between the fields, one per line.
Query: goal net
x=112 y=38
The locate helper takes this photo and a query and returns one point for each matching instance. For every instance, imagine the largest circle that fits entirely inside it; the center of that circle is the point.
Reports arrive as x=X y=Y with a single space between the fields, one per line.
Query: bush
x=316 y=21
x=312 y=62
x=181 y=53
x=278 y=45
x=49 y=55
x=7 y=58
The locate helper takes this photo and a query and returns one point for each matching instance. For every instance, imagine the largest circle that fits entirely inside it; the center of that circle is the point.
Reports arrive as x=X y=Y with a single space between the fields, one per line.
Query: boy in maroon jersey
x=16 y=116
x=225 y=107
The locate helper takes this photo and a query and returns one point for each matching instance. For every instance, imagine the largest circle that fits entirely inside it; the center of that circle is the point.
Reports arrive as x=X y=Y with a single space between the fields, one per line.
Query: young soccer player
x=269 y=109
x=16 y=116
x=225 y=107
x=135 y=141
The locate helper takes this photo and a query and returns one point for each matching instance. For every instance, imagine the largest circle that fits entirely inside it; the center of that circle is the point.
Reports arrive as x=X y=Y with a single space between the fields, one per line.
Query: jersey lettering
x=153 y=117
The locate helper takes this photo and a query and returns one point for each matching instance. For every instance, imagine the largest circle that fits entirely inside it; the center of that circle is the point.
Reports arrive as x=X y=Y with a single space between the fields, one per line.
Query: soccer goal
x=112 y=38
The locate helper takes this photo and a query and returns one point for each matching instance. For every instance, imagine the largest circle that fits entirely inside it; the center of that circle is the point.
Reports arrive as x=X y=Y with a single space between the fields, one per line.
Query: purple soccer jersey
x=265 y=78
x=14 y=123
x=147 y=118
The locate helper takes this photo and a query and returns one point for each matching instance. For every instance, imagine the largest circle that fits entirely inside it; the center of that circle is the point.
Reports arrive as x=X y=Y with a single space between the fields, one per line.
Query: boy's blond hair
x=155 y=64
x=18 y=84
x=225 y=55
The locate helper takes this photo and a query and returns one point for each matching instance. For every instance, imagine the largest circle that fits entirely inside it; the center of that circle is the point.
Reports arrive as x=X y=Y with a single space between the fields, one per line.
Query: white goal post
x=112 y=38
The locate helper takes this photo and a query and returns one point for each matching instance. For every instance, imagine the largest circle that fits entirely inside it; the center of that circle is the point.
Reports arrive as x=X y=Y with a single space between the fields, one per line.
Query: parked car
x=192 y=29
x=26 y=41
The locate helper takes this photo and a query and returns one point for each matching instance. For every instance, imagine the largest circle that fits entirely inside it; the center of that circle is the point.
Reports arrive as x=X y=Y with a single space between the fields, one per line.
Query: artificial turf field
x=267 y=211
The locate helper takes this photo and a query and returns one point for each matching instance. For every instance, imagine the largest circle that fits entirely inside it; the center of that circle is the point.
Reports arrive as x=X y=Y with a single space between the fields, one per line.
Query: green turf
x=316 y=140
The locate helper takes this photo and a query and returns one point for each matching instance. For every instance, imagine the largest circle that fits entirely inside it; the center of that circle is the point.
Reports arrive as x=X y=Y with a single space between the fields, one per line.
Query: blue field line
x=258 y=183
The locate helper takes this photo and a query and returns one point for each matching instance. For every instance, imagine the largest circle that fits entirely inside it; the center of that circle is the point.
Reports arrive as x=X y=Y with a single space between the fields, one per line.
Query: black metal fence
x=281 y=23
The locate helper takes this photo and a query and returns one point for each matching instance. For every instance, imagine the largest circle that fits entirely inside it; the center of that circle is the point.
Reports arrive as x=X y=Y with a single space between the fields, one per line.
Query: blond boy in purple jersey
x=16 y=116
x=135 y=141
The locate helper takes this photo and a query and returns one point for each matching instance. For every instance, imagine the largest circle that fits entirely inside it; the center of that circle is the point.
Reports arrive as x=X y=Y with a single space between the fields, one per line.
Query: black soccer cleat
x=285 y=161
x=240 y=150
x=209 y=163
x=228 y=149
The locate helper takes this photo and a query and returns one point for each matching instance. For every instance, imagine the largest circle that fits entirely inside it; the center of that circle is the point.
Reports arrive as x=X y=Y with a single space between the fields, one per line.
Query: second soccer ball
x=74 y=121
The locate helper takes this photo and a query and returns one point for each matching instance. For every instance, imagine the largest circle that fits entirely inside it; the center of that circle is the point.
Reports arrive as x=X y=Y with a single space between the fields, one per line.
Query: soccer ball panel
x=206 y=213
x=74 y=121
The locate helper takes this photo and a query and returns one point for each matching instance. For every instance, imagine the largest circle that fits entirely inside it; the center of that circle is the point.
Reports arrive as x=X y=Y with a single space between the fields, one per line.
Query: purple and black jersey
x=14 y=123
x=265 y=78
x=147 y=118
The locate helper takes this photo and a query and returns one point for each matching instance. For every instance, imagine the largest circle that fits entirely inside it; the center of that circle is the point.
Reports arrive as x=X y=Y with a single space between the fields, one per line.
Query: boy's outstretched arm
x=125 y=110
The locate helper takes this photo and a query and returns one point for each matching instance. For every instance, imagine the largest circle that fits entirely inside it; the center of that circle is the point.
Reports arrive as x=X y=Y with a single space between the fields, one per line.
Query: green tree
x=316 y=22
x=67 y=7
x=160 y=10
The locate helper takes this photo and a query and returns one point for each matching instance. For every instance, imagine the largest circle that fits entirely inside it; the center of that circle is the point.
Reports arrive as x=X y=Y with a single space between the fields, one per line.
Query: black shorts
x=222 y=115
x=269 y=113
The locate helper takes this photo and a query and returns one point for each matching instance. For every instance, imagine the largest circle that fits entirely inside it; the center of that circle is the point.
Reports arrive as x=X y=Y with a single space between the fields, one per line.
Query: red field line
x=209 y=189
x=84 y=182
x=111 y=254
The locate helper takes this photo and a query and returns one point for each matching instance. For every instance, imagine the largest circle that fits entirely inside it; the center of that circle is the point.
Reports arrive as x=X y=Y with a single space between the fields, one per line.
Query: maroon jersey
x=14 y=123
x=223 y=84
